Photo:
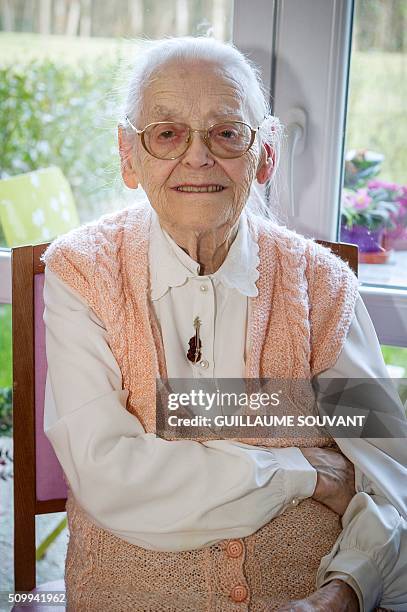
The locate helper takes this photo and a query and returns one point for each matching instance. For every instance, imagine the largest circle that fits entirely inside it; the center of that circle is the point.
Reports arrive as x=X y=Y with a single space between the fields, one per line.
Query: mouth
x=199 y=188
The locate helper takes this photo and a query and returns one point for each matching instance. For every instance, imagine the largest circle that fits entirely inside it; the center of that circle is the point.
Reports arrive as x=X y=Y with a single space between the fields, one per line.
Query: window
x=312 y=42
x=374 y=197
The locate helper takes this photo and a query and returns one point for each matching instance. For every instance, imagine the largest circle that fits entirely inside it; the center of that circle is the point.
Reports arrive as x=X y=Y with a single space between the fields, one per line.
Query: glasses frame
x=205 y=137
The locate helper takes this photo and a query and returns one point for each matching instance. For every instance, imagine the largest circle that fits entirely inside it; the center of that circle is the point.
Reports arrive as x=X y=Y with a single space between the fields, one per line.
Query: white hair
x=156 y=54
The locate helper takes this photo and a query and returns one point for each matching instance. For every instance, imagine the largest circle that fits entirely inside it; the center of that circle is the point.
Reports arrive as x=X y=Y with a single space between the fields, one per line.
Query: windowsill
x=387 y=308
x=392 y=274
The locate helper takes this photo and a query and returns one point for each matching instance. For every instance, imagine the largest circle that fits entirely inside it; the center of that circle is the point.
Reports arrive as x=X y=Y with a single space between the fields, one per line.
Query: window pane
x=396 y=362
x=61 y=73
x=374 y=198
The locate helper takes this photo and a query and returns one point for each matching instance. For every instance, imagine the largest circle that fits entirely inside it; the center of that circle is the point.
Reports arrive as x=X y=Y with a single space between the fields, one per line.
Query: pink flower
x=348 y=200
x=362 y=199
x=402 y=197
x=377 y=184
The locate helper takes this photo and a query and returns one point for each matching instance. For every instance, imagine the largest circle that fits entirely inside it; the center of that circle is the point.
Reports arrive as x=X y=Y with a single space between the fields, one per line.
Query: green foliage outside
x=52 y=113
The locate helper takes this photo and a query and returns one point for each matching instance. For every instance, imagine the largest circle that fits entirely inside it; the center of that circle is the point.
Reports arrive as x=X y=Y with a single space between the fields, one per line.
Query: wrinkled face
x=199 y=94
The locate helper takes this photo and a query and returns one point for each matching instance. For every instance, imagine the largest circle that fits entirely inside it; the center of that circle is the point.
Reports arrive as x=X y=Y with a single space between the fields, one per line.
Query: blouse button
x=204 y=364
x=204 y=288
x=234 y=549
x=238 y=593
x=295 y=501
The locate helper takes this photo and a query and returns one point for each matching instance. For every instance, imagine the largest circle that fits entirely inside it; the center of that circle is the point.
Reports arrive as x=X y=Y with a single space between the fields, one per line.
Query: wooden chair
x=347 y=252
x=39 y=487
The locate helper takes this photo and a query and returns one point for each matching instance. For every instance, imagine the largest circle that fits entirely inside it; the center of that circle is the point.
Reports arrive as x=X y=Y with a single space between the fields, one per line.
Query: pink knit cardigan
x=297 y=327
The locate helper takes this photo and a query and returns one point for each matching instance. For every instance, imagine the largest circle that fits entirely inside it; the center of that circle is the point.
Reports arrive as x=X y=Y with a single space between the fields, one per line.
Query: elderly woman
x=194 y=284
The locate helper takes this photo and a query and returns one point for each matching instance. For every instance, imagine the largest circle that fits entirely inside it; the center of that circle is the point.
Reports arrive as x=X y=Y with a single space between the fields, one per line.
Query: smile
x=200 y=189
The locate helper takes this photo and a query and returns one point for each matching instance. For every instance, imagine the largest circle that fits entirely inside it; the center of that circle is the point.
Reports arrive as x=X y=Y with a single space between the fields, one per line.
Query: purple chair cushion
x=50 y=483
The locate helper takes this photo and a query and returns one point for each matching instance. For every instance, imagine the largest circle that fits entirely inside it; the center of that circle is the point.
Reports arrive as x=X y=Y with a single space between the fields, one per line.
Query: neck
x=208 y=248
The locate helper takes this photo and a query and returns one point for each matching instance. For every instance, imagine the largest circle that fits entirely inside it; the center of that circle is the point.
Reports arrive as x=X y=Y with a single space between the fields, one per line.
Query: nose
x=197 y=155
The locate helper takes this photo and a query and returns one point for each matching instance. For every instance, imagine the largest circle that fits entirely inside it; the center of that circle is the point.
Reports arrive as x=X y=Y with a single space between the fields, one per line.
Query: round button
x=295 y=501
x=234 y=549
x=238 y=593
x=204 y=288
x=204 y=364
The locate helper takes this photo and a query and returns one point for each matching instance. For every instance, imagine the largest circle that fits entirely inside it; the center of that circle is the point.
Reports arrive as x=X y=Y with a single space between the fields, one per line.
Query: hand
x=335 y=478
x=336 y=596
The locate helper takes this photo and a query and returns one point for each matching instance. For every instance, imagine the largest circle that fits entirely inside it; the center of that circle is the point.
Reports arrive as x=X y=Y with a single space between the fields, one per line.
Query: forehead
x=193 y=90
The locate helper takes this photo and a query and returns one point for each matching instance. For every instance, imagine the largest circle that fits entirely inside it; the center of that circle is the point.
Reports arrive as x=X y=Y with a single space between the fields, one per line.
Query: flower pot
x=396 y=239
x=368 y=241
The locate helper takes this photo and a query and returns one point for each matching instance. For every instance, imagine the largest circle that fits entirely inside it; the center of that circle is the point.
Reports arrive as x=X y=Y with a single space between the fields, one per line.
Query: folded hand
x=335 y=478
x=336 y=596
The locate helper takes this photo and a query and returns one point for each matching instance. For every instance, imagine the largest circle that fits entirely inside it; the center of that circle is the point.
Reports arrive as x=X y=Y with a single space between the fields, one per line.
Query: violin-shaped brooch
x=195 y=344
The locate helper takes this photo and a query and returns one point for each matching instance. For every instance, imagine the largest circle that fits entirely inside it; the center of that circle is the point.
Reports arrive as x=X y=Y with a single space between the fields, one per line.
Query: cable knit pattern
x=297 y=327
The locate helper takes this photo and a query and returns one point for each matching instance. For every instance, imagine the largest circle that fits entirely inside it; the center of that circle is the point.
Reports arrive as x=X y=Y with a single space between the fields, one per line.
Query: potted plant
x=360 y=166
x=396 y=236
x=366 y=213
x=374 y=212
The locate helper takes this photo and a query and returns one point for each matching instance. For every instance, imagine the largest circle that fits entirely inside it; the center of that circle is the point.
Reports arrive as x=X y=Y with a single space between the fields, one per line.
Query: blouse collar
x=171 y=266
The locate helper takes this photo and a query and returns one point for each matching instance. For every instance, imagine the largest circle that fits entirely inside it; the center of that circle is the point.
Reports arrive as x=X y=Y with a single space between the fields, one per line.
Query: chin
x=202 y=215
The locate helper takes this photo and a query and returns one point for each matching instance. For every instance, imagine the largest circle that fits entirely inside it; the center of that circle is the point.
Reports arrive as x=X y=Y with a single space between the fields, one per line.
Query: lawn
x=5 y=345
x=376 y=110
x=23 y=48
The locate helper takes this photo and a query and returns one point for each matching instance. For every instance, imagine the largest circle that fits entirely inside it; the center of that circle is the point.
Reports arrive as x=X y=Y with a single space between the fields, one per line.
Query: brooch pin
x=195 y=344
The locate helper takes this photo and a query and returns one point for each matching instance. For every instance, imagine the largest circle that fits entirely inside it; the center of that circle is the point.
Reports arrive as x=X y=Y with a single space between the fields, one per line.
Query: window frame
x=5 y=276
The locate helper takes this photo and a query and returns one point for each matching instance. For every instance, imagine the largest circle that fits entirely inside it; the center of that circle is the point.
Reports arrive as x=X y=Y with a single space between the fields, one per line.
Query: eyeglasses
x=170 y=140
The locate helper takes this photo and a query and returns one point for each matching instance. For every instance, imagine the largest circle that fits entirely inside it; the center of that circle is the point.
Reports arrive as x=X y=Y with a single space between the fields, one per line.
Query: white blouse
x=240 y=487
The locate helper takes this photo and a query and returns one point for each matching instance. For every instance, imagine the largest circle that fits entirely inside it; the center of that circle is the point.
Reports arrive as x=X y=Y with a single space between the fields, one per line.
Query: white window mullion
x=253 y=24
x=312 y=51
x=5 y=276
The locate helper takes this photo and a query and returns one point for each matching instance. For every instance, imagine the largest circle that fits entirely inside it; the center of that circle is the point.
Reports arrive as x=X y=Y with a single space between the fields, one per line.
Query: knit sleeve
x=333 y=291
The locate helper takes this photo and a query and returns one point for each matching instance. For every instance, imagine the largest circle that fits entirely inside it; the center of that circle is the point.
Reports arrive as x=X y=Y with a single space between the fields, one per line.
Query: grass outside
x=376 y=110
x=395 y=356
x=23 y=48
x=5 y=345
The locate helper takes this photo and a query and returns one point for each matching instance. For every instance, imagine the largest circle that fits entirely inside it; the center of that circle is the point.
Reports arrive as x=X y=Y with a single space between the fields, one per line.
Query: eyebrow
x=166 y=114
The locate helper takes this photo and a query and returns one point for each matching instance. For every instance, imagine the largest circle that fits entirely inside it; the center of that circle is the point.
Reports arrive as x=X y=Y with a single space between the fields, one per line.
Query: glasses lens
x=230 y=139
x=167 y=140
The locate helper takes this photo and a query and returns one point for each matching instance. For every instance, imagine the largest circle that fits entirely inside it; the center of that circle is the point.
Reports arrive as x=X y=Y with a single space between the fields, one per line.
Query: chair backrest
x=36 y=206
x=39 y=487
x=347 y=252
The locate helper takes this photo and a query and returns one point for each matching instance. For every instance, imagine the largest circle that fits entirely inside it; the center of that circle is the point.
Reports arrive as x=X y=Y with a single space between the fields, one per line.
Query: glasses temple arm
x=133 y=126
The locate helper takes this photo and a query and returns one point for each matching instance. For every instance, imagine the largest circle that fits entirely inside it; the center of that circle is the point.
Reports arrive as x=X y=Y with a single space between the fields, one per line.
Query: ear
x=266 y=163
x=126 y=161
